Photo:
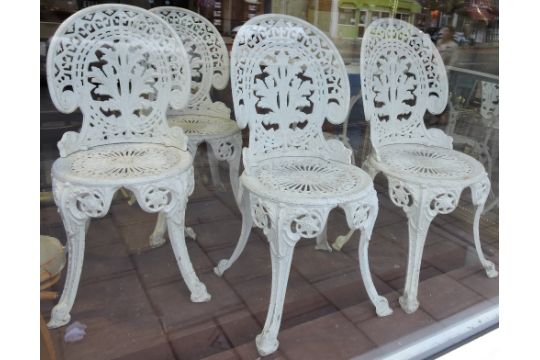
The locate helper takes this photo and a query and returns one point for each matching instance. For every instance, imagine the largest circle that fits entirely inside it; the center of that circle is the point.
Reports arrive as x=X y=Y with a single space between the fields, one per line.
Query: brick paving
x=136 y=305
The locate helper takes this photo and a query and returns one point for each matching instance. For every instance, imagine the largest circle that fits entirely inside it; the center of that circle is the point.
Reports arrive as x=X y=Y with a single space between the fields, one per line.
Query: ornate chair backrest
x=490 y=100
x=402 y=76
x=122 y=66
x=207 y=53
x=287 y=77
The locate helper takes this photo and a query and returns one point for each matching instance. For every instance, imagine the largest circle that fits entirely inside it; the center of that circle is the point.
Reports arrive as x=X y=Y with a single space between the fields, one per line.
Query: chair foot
x=382 y=308
x=490 y=270
x=221 y=267
x=190 y=233
x=408 y=305
x=59 y=317
x=266 y=345
x=199 y=294
x=156 y=240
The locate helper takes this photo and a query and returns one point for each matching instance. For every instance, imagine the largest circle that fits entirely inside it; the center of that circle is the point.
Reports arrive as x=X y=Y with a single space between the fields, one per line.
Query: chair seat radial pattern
x=402 y=76
x=122 y=66
x=287 y=78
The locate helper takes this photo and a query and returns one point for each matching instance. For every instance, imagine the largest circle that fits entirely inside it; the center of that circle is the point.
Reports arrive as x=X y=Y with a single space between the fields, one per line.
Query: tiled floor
x=136 y=305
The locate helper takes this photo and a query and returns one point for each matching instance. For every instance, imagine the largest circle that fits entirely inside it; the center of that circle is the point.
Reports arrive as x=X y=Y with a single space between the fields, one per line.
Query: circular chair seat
x=419 y=163
x=52 y=258
x=204 y=126
x=122 y=164
x=308 y=180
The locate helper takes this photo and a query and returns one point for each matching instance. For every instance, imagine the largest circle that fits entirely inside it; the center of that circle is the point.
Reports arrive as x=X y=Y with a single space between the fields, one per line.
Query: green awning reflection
x=410 y=6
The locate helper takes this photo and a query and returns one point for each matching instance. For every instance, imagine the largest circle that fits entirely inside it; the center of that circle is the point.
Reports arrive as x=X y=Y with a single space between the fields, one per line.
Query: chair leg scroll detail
x=283 y=226
x=421 y=203
x=76 y=205
x=247 y=224
x=170 y=199
x=480 y=192
x=361 y=215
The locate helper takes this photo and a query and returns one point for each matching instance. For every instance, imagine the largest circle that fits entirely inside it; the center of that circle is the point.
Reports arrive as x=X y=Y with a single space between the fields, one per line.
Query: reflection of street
x=477 y=58
x=484 y=59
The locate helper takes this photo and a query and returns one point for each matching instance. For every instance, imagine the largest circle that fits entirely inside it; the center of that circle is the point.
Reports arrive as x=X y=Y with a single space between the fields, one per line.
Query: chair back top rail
x=208 y=55
x=287 y=78
x=122 y=66
x=402 y=77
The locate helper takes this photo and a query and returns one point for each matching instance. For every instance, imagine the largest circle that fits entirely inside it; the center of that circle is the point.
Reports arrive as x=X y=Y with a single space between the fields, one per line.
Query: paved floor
x=136 y=306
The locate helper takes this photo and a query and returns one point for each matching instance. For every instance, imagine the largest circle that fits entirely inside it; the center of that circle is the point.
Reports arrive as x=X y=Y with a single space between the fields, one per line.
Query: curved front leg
x=247 y=224
x=283 y=226
x=480 y=192
x=281 y=256
x=175 y=223
x=170 y=197
x=421 y=204
x=76 y=206
x=362 y=215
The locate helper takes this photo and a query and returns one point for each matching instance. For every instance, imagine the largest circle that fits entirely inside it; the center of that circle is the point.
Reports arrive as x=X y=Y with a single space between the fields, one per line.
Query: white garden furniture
x=122 y=66
x=402 y=76
x=202 y=119
x=288 y=77
x=487 y=118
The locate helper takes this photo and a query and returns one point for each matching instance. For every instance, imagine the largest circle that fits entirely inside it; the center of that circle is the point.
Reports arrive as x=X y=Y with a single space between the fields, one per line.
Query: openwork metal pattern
x=204 y=120
x=100 y=61
x=207 y=53
x=474 y=128
x=310 y=177
x=489 y=108
x=122 y=66
x=287 y=79
x=402 y=77
x=204 y=125
x=428 y=162
x=122 y=161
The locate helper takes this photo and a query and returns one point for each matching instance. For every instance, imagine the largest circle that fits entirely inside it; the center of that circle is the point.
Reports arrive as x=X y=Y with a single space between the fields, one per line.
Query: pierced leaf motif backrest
x=287 y=77
x=207 y=53
x=490 y=100
x=402 y=76
x=122 y=66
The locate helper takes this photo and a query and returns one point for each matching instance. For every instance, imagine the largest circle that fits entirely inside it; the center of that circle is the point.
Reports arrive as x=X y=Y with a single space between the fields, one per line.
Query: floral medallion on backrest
x=207 y=53
x=122 y=66
x=287 y=79
x=402 y=76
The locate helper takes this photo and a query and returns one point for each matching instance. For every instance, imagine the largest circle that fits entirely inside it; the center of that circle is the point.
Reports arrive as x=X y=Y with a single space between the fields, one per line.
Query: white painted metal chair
x=288 y=77
x=203 y=120
x=486 y=118
x=122 y=66
x=403 y=76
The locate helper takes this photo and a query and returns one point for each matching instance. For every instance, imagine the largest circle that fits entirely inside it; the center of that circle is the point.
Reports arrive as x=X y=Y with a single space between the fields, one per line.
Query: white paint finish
x=402 y=77
x=112 y=61
x=287 y=79
x=202 y=119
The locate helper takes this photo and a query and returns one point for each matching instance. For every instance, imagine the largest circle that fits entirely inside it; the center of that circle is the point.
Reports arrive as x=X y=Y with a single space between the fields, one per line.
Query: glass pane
x=134 y=290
